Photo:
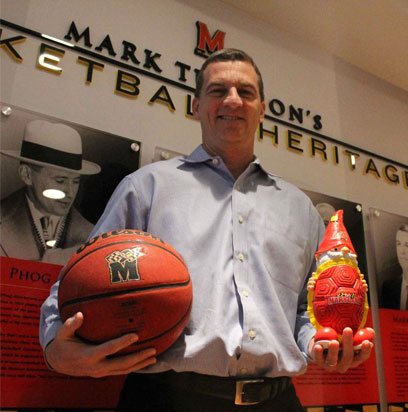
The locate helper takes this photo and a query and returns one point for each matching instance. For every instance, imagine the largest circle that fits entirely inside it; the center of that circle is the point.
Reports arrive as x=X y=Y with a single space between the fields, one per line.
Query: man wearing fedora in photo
x=35 y=226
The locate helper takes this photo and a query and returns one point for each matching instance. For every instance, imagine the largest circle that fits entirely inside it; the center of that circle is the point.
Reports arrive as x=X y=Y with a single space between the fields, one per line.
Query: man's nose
x=69 y=190
x=345 y=249
x=233 y=98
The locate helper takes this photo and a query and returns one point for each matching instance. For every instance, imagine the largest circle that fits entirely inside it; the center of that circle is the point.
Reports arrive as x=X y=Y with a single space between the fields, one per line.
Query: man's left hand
x=340 y=358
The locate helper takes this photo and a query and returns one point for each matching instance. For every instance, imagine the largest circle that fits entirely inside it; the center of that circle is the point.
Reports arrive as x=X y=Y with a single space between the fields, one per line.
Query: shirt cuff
x=307 y=335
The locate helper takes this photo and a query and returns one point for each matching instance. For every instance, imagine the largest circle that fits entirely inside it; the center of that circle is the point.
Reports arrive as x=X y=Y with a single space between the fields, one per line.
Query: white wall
x=356 y=107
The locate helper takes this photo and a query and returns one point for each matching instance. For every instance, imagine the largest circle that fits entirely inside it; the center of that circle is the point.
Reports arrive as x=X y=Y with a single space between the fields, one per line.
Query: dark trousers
x=149 y=392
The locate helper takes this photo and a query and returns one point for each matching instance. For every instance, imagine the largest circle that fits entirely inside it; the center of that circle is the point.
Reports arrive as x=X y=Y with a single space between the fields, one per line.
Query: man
x=35 y=226
x=395 y=288
x=248 y=239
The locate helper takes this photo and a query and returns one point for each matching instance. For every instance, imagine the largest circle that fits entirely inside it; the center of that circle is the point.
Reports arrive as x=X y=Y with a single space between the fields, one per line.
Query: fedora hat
x=53 y=144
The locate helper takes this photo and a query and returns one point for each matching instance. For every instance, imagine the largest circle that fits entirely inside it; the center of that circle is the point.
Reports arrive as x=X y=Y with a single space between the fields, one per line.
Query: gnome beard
x=336 y=254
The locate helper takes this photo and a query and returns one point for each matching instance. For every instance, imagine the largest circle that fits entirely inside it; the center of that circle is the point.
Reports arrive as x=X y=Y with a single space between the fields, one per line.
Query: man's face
x=402 y=249
x=51 y=178
x=229 y=107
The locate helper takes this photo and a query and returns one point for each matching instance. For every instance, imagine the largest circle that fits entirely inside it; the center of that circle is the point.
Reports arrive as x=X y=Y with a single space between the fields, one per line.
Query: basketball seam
x=167 y=330
x=118 y=243
x=142 y=342
x=122 y=292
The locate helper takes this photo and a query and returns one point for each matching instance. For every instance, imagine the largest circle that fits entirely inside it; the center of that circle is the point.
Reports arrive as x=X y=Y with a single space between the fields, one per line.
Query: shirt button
x=241 y=257
x=245 y=293
x=244 y=371
x=240 y=219
x=252 y=334
x=215 y=161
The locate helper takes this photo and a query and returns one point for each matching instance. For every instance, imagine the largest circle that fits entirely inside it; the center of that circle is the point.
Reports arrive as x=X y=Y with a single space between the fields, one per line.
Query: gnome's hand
x=311 y=284
x=364 y=286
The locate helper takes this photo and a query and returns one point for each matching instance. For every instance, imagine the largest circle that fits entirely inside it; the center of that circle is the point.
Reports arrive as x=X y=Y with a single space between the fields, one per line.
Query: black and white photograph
x=56 y=178
x=390 y=241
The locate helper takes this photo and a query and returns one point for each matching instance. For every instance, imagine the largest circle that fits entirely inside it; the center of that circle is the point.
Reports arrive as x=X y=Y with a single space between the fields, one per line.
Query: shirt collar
x=37 y=215
x=199 y=155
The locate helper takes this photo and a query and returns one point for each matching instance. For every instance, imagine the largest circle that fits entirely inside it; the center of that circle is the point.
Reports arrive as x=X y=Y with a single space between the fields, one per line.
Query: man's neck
x=236 y=161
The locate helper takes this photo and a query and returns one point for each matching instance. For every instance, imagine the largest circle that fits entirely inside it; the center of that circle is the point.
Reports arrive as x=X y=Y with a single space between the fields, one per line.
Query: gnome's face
x=337 y=253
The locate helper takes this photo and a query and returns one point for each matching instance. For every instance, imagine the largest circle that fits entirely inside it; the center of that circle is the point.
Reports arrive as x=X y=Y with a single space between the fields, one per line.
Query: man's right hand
x=70 y=355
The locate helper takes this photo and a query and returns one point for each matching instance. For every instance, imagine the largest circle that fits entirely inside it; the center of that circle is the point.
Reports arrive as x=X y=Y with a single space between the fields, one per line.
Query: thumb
x=69 y=327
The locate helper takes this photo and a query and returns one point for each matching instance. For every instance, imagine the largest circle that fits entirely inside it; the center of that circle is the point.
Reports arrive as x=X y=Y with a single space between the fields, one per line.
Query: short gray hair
x=225 y=55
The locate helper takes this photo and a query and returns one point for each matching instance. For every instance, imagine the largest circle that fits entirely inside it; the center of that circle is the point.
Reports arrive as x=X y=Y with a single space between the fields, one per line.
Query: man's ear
x=262 y=114
x=196 y=104
x=25 y=173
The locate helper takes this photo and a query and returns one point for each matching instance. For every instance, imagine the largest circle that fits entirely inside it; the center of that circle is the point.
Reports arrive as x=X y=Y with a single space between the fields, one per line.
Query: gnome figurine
x=337 y=291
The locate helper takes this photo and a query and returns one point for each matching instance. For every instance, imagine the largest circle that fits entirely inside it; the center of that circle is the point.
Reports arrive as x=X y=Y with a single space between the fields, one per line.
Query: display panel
x=26 y=382
x=79 y=165
x=389 y=237
x=39 y=153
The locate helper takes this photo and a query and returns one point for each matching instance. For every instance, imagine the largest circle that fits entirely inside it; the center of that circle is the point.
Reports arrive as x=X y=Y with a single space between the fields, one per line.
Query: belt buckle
x=239 y=391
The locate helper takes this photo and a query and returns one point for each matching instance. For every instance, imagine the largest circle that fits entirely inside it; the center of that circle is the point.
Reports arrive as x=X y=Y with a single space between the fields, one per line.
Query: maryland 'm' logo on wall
x=123 y=265
x=207 y=44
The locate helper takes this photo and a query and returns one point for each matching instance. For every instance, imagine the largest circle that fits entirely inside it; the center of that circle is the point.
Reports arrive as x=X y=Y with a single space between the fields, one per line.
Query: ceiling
x=370 y=34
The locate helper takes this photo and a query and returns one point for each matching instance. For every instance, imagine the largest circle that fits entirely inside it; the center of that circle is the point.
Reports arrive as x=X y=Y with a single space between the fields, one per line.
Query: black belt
x=246 y=391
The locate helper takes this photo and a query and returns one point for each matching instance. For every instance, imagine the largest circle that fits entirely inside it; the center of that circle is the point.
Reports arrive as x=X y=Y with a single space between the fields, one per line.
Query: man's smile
x=224 y=117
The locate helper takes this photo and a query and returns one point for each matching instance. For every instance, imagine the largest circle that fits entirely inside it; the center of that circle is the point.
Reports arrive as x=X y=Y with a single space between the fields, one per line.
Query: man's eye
x=217 y=92
x=245 y=93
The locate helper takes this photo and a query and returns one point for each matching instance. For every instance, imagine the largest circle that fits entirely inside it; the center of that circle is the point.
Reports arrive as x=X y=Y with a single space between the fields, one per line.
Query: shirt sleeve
x=124 y=209
x=121 y=212
x=304 y=330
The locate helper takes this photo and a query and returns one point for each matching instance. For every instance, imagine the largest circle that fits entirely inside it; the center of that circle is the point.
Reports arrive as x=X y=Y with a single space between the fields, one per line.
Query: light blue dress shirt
x=249 y=246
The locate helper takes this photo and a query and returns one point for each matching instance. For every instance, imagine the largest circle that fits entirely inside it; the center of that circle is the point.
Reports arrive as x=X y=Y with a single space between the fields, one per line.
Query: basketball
x=127 y=281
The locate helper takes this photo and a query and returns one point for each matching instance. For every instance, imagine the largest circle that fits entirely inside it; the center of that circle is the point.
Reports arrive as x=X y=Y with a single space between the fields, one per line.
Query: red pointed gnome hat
x=336 y=235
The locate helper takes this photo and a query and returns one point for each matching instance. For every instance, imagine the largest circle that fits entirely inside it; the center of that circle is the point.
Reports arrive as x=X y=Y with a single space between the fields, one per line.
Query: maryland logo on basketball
x=123 y=265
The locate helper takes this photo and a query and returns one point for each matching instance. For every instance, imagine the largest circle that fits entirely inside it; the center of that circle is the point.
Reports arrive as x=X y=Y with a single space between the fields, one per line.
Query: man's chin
x=61 y=212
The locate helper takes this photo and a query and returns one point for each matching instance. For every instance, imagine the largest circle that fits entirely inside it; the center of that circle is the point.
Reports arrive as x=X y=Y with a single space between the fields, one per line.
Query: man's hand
x=340 y=359
x=69 y=355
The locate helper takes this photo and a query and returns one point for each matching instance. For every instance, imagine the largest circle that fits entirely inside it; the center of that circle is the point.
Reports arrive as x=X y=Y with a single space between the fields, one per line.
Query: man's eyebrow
x=215 y=84
x=225 y=84
x=65 y=177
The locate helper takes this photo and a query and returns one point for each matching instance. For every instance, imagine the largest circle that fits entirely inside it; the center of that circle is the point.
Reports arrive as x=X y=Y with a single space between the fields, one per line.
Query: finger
x=318 y=355
x=363 y=354
x=126 y=363
x=134 y=368
x=133 y=361
x=67 y=330
x=332 y=356
x=347 y=355
x=113 y=346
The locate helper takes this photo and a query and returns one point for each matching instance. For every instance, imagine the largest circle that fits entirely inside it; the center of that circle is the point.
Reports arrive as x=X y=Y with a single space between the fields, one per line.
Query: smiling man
x=230 y=108
x=37 y=224
x=248 y=239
